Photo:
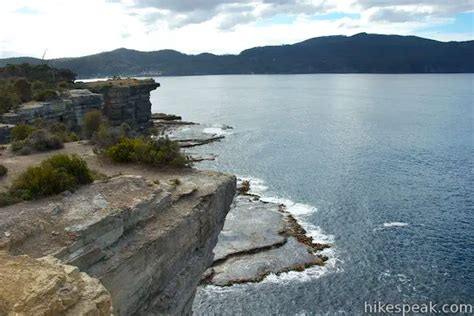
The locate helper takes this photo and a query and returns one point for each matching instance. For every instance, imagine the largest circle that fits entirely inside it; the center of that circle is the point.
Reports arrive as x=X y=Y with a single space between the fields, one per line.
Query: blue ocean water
x=385 y=160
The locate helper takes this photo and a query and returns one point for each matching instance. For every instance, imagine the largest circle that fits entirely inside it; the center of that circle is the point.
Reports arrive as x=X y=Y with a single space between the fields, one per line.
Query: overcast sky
x=76 y=28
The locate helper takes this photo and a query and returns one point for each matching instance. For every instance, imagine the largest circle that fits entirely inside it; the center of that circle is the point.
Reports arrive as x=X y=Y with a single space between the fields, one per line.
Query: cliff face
x=69 y=110
x=129 y=103
x=147 y=243
x=121 y=101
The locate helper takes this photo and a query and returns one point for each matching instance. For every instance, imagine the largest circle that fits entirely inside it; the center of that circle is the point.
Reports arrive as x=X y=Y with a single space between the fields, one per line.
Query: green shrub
x=38 y=140
x=91 y=124
x=125 y=150
x=21 y=132
x=73 y=137
x=160 y=152
x=8 y=98
x=7 y=198
x=42 y=140
x=58 y=129
x=3 y=170
x=45 y=95
x=19 y=145
x=54 y=175
x=38 y=85
x=106 y=136
x=23 y=90
x=63 y=85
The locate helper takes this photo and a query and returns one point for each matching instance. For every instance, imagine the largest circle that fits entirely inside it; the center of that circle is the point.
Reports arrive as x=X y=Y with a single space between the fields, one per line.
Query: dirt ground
x=17 y=164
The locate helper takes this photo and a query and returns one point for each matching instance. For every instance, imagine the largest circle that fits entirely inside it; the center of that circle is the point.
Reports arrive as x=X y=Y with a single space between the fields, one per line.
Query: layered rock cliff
x=147 y=240
x=127 y=101
x=120 y=100
x=70 y=109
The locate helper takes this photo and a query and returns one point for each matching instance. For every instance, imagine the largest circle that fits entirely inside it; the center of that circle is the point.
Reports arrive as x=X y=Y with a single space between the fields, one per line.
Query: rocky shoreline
x=144 y=239
x=259 y=238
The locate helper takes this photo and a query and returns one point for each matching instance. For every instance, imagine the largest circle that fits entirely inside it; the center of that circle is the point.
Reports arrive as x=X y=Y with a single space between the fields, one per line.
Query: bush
x=54 y=175
x=63 y=85
x=126 y=150
x=23 y=90
x=7 y=198
x=91 y=124
x=21 y=132
x=58 y=129
x=159 y=153
x=42 y=140
x=8 y=101
x=38 y=85
x=45 y=95
x=106 y=136
x=38 y=140
x=3 y=170
x=21 y=147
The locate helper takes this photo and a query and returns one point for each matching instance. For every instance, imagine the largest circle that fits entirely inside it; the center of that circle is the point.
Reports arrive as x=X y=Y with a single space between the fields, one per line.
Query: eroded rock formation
x=147 y=242
x=128 y=103
x=45 y=286
x=69 y=110
x=121 y=101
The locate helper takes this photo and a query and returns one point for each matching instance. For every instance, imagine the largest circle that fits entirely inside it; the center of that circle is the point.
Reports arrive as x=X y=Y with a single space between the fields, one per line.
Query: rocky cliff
x=147 y=240
x=120 y=100
x=69 y=109
x=127 y=101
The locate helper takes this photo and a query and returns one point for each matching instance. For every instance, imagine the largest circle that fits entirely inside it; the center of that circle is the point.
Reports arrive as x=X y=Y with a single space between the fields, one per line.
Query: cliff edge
x=147 y=238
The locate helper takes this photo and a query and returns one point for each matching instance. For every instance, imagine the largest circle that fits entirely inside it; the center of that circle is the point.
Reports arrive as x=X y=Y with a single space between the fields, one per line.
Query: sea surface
x=381 y=166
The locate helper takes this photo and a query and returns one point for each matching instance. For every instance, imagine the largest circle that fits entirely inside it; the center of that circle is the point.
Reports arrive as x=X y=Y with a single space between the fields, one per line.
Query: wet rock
x=260 y=238
x=255 y=267
x=250 y=226
x=165 y=117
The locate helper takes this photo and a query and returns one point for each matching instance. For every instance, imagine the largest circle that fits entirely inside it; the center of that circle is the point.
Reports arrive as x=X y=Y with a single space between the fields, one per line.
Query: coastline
x=240 y=256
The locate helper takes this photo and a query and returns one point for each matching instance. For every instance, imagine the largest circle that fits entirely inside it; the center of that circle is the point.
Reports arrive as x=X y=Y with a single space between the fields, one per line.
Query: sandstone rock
x=147 y=243
x=47 y=287
x=128 y=103
x=69 y=110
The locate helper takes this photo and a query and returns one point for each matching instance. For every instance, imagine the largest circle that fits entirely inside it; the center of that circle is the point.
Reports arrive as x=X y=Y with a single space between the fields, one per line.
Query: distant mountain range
x=361 y=53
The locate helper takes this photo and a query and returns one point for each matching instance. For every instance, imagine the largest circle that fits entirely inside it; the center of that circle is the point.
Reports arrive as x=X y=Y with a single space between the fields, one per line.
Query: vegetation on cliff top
x=40 y=136
x=156 y=152
x=120 y=145
x=23 y=83
x=54 y=175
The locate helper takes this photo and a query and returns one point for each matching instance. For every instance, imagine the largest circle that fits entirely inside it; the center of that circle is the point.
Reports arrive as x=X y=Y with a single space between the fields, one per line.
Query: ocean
x=380 y=166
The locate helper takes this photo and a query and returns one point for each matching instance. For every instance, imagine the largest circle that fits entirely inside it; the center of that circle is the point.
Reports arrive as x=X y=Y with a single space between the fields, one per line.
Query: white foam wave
x=300 y=212
x=333 y=265
x=257 y=186
x=395 y=224
x=218 y=130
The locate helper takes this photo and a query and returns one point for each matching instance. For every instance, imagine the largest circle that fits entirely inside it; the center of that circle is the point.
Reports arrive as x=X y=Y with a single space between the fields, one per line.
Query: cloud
x=220 y=27
x=399 y=11
x=228 y=13
x=396 y=15
x=26 y=10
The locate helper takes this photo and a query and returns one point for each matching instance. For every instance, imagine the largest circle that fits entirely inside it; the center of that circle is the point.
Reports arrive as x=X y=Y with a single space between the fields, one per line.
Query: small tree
x=23 y=90
x=91 y=123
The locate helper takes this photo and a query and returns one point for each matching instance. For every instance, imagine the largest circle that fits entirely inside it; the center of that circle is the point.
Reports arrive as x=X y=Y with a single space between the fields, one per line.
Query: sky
x=73 y=28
